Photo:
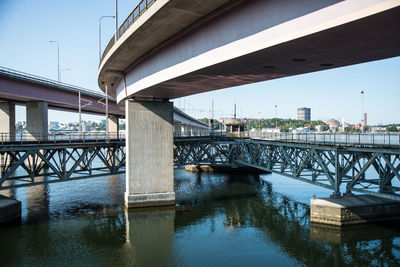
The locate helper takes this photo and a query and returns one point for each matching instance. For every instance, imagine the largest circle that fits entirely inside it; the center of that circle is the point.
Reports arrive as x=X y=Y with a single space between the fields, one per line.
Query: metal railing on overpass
x=357 y=139
x=391 y=139
x=57 y=137
x=69 y=137
x=132 y=17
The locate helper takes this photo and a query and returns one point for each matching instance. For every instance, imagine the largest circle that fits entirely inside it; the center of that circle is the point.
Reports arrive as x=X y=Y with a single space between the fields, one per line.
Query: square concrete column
x=149 y=154
x=37 y=120
x=113 y=126
x=7 y=121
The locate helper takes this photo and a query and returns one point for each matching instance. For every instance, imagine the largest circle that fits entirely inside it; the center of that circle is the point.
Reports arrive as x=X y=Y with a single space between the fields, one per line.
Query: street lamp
x=58 y=59
x=102 y=17
x=276 y=116
x=259 y=120
x=62 y=71
x=362 y=108
x=116 y=20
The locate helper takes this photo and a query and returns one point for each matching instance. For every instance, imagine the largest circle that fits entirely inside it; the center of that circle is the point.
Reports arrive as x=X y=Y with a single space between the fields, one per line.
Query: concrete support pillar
x=7 y=121
x=37 y=120
x=113 y=126
x=149 y=151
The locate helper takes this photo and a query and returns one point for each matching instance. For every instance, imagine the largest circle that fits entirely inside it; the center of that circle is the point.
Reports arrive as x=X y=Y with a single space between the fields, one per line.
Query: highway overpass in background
x=39 y=94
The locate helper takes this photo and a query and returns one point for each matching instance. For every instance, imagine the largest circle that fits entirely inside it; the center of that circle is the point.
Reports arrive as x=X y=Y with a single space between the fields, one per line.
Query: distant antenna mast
x=234 y=111
x=212 y=109
x=212 y=117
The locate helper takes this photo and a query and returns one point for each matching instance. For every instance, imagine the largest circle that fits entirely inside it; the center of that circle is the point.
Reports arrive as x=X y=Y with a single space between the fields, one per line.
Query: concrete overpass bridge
x=39 y=94
x=172 y=48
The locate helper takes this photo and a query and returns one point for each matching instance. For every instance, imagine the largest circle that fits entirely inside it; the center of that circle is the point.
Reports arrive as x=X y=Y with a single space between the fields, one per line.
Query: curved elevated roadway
x=175 y=48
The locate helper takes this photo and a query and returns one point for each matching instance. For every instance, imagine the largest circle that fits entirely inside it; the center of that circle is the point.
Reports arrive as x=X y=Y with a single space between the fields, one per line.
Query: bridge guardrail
x=60 y=136
x=140 y=8
x=24 y=137
x=331 y=138
x=392 y=139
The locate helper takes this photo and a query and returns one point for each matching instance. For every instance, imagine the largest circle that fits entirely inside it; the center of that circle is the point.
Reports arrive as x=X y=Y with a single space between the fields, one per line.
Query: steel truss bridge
x=372 y=169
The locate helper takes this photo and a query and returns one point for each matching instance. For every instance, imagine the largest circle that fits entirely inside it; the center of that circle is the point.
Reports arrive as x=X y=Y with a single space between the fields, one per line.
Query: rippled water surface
x=219 y=220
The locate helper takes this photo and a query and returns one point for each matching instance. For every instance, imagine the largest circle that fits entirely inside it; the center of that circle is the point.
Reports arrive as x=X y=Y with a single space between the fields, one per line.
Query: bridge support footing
x=149 y=154
x=353 y=209
x=10 y=209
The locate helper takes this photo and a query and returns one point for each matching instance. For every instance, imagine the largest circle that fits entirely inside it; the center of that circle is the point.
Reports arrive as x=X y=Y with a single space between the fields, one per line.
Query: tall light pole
x=362 y=108
x=80 y=113
x=58 y=59
x=62 y=71
x=106 y=111
x=259 y=120
x=102 y=17
x=116 y=20
x=276 y=116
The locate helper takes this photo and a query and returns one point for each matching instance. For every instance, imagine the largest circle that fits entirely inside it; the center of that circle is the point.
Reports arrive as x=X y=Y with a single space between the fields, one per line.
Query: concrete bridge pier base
x=149 y=151
x=353 y=209
x=7 y=121
x=113 y=126
x=37 y=120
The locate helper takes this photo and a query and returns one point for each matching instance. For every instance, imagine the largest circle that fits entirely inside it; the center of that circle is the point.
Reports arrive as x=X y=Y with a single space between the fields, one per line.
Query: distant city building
x=86 y=127
x=333 y=124
x=271 y=130
x=304 y=114
x=301 y=130
x=53 y=125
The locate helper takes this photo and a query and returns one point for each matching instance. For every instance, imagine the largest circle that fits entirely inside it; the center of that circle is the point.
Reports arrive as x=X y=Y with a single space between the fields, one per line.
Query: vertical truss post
x=338 y=171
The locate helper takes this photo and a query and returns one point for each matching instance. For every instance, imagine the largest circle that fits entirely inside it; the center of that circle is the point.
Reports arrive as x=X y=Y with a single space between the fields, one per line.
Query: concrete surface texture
x=37 y=120
x=113 y=124
x=7 y=121
x=353 y=209
x=149 y=151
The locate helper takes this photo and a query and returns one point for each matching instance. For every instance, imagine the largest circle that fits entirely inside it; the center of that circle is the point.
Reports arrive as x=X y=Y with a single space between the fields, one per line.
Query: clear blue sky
x=27 y=26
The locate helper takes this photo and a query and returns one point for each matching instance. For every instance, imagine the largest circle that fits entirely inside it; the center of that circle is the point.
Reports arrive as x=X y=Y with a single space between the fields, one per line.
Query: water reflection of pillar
x=37 y=201
x=115 y=188
x=150 y=235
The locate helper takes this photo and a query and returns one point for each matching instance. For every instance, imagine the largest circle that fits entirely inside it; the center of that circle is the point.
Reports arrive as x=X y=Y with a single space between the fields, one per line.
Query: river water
x=219 y=219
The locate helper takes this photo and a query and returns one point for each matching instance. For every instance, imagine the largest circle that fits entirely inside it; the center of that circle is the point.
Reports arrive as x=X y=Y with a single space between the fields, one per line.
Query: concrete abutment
x=353 y=209
x=149 y=151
